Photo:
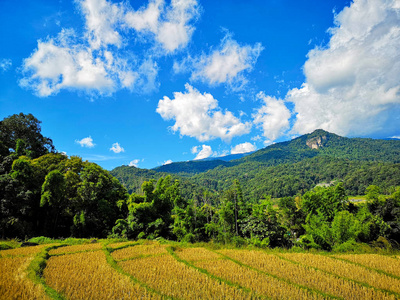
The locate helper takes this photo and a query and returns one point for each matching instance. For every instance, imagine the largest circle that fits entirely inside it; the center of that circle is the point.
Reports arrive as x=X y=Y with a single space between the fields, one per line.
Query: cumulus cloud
x=167 y=162
x=198 y=115
x=134 y=163
x=227 y=64
x=273 y=117
x=243 y=148
x=55 y=65
x=352 y=84
x=205 y=152
x=98 y=61
x=5 y=64
x=102 y=21
x=116 y=148
x=170 y=26
x=86 y=142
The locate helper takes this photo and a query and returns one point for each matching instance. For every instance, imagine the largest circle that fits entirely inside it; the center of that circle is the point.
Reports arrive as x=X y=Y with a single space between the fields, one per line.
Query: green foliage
x=53 y=189
x=345 y=227
x=327 y=201
x=47 y=193
x=22 y=134
x=41 y=240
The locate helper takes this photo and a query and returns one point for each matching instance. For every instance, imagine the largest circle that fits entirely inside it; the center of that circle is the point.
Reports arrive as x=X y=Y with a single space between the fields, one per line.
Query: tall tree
x=25 y=128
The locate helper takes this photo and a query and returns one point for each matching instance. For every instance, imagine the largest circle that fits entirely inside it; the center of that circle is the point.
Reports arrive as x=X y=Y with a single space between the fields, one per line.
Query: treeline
x=46 y=193
x=322 y=218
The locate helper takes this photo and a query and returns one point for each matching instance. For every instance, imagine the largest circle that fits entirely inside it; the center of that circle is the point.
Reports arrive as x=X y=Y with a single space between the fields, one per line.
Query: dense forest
x=289 y=194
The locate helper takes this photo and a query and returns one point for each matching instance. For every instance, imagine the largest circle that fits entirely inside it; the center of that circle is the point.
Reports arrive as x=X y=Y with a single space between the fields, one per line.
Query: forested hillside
x=289 y=168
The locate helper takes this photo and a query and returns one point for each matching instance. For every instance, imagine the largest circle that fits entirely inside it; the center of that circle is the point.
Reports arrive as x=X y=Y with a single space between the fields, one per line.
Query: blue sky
x=149 y=82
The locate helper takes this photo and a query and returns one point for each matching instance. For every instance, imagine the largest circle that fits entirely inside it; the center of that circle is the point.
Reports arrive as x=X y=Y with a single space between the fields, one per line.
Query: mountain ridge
x=287 y=168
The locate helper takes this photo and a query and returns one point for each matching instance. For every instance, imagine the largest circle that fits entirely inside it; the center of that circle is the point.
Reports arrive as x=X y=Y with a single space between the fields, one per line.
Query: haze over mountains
x=287 y=168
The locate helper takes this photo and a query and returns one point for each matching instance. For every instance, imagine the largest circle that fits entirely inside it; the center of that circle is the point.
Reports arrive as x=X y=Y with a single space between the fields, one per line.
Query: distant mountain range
x=286 y=168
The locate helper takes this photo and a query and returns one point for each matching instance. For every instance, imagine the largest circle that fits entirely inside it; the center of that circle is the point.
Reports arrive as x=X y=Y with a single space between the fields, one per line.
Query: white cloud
x=194 y=150
x=243 y=148
x=116 y=148
x=102 y=21
x=167 y=162
x=98 y=61
x=170 y=26
x=86 y=142
x=396 y=137
x=225 y=65
x=134 y=163
x=146 y=18
x=205 y=152
x=198 y=115
x=352 y=85
x=273 y=117
x=176 y=32
x=5 y=64
x=55 y=65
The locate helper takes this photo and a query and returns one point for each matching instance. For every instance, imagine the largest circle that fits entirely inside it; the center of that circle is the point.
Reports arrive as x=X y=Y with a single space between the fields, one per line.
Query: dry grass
x=14 y=283
x=346 y=270
x=119 y=244
x=305 y=276
x=385 y=263
x=87 y=275
x=139 y=251
x=175 y=279
x=76 y=248
x=22 y=251
x=251 y=279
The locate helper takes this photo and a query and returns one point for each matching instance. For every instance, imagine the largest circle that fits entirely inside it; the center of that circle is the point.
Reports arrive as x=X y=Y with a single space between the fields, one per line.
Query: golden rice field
x=14 y=281
x=153 y=270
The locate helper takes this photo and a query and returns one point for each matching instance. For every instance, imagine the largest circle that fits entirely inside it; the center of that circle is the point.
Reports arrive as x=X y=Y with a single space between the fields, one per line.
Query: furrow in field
x=305 y=276
x=175 y=279
x=347 y=270
x=255 y=281
x=385 y=263
x=87 y=275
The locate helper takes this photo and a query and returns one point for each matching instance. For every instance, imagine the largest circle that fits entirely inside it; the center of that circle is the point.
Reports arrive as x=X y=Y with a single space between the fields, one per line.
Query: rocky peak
x=317 y=142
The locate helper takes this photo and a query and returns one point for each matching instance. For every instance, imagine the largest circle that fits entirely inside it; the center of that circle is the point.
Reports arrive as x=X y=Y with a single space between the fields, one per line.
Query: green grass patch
x=36 y=268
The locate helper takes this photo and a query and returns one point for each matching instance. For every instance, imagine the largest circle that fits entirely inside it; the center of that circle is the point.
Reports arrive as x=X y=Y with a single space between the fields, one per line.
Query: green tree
x=101 y=201
x=24 y=128
x=53 y=198
x=291 y=216
x=326 y=200
x=263 y=226
x=345 y=227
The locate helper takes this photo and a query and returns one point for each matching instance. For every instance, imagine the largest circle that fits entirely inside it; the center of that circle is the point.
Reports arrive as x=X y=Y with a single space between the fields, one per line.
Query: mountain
x=288 y=168
x=199 y=166
x=192 y=167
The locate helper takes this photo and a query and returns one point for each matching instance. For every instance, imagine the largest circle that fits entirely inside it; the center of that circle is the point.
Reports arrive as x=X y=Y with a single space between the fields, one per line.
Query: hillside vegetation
x=288 y=168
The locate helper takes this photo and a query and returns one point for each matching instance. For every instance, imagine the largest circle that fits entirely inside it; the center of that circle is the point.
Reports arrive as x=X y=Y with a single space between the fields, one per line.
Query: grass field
x=162 y=270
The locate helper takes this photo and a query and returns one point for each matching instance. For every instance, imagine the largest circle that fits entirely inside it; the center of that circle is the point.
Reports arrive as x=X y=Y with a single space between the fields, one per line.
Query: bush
x=238 y=241
x=307 y=242
x=41 y=240
x=382 y=242
x=348 y=246
x=5 y=246
x=189 y=238
x=264 y=243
